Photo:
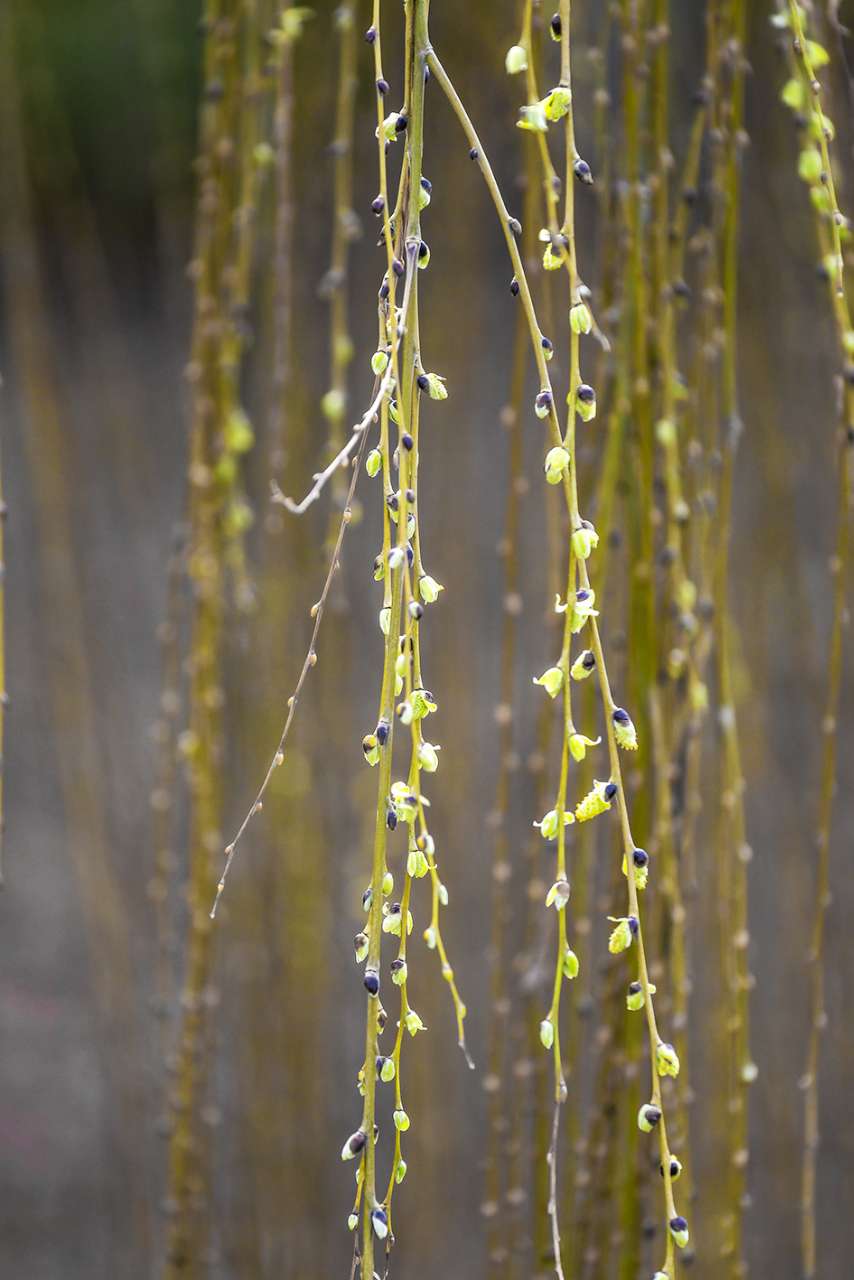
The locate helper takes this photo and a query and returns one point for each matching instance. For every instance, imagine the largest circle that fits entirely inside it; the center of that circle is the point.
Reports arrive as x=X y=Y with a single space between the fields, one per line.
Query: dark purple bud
x=556 y=25
x=371 y=35
x=585 y=393
x=581 y=169
x=514 y=287
x=633 y=925
x=610 y=791
x=473 y=154
x=372 y=982
x=356 y=1141
x=423 y=381
x=382 y=86
x=378 y=205
x=427 y=185
x=620 y=716
x=640 y=857
x=406 y=440
x=401 y=123
x=382 y=732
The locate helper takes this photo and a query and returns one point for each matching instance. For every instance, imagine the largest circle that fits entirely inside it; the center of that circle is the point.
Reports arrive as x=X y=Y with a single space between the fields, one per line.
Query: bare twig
x=359 y=436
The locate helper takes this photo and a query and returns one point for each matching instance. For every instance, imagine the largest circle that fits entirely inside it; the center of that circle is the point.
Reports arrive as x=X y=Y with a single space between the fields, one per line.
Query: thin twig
x=359 y=434
x=320 y=479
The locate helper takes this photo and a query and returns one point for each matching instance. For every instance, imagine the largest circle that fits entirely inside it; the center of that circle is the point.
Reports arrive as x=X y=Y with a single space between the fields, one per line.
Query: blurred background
x=99 y=112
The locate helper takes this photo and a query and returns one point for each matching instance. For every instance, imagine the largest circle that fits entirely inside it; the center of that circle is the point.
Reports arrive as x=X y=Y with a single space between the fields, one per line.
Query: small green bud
x=623 y=934
x=547 y=1033
x=373 y=462
x=792 y=95
x=238 y=435
x=551 y=680
x=429 y=588
x=389 y=127
x=582 y=609
x=430 y=938
x=387 y=1070
x=666 y=1060
x=399 y=972
x=291 y=23
x=428 y=758
x=583 y=665
x=648 y=1117
x=624 y=730
x=679 y=1231
x=400 y=1171
x=417 y=865
x=424 y=197
x=533 y=118
x=414 y=1023
x=556 y=105
x=749 y=1073
x=584 y=540
x=585 y=402
x=595 y=802
x=360 y=946
x=516 y=60
x=543 y=403
x=549 y=825
x=634 y=996
x=810 y=165
x=385 y=620
x=580 y=319
x=436 y=388
x=401 y=1120
x=665 y=432
x=352 y=1222
x=333 y=405
x=238 y=517
x=571 y=965
x=817 y=54
x=422 y=704
x=388 y=884
x=558 y=895
x=379 y=362
x=556 y=464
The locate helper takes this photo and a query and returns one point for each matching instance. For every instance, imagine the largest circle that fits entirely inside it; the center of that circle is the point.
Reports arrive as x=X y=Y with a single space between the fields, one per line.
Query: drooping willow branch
x=803 y=95
x=580 y=605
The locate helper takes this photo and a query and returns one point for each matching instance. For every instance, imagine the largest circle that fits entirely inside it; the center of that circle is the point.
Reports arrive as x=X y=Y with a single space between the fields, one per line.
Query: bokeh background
x=98 y=111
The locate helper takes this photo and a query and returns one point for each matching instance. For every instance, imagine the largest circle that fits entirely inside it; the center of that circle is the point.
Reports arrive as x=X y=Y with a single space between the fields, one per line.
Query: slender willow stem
x=510 y=227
